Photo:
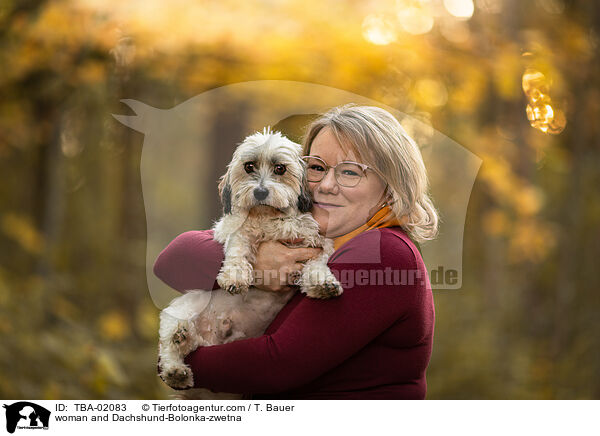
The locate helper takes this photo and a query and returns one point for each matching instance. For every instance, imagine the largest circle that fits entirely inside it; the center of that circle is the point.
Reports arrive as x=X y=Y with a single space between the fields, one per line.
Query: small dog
x=265 y=197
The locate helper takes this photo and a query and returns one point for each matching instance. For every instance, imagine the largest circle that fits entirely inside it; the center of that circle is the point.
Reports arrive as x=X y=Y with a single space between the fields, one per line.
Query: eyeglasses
x=347 y=174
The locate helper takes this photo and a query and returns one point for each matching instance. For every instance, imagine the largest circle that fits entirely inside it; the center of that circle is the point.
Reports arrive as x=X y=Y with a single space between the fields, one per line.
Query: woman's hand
x=277 y=264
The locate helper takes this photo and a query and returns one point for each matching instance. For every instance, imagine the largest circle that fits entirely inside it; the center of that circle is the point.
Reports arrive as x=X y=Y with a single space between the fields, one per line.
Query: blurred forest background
x=516 y=82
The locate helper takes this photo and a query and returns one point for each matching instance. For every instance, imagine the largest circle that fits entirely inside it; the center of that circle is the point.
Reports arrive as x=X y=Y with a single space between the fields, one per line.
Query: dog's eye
x=249 y=167
x=279 y=169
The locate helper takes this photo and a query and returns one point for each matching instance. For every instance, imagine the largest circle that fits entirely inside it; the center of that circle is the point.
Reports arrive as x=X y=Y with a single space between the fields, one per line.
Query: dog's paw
x=180 y=336
x=222 y=281
x=237 y=289
x=225 y=328
x=177 y=376
x=295 y=278
x=327 y=289
x=235 y=281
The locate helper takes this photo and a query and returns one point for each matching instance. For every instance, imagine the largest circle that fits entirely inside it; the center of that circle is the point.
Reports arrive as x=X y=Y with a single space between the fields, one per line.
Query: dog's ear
x=225 y=194
x=304 y=199
x=304 y=203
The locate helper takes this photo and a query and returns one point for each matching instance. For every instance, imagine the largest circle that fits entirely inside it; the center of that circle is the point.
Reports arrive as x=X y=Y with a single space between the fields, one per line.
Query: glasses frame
x=362 y=166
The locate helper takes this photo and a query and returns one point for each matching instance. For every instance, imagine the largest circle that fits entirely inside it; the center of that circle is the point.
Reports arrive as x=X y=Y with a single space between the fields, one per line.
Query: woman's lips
x=326 y=205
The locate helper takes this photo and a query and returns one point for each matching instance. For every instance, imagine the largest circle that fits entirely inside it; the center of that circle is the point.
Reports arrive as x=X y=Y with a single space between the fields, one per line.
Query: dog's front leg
x=236 y=275
x=317 y=280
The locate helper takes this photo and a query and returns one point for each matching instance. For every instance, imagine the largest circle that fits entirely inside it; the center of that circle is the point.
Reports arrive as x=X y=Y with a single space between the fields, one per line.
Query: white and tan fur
x=260 y=203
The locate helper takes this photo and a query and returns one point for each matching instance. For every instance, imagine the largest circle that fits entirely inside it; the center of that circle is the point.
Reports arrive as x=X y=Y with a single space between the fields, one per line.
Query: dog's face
x=267 y=170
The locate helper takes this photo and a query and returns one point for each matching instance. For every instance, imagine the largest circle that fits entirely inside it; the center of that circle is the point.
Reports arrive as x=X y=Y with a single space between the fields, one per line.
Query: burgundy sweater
x=372 y=342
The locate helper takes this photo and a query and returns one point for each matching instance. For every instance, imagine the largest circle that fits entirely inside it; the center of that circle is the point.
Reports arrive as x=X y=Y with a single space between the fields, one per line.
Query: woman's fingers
x=304 y=254
x=292 y=242
x=278 y=267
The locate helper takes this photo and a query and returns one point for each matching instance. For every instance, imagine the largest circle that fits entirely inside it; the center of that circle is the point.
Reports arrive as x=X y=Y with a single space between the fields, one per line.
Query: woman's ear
x=388 y=196
x=225 y=194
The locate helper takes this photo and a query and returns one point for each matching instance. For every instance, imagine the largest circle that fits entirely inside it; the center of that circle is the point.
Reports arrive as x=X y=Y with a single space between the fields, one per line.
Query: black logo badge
x=26 y=415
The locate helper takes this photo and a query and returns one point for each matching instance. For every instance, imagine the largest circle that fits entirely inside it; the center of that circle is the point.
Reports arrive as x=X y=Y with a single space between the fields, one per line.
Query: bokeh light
x=415 y=20
x=540 y=112
x=462 y=9
x=378 y=30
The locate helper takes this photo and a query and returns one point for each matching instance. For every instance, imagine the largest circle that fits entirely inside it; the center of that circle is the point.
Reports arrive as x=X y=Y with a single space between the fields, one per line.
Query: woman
x=369 y=187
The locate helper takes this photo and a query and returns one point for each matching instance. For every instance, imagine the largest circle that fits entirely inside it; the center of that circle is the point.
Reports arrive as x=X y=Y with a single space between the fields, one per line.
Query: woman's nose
x=329 y=184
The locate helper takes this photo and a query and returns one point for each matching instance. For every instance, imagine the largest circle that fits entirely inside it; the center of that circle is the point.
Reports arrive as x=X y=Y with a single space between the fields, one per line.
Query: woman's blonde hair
x=379 y=141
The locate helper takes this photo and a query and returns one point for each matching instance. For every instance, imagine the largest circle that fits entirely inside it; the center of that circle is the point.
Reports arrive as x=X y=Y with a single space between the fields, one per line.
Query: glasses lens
x=348 y=174
x=315 y=169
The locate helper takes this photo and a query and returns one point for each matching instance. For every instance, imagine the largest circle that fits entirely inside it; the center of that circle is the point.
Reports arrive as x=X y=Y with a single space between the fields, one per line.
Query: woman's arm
x=316 y=335
x=191 y=261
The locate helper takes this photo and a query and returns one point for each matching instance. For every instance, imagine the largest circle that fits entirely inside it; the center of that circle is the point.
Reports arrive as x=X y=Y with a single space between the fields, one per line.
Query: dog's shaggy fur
x=265 y=197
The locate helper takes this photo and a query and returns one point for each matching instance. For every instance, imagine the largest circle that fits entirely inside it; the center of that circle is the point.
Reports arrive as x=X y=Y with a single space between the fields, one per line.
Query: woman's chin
x=327 y=225
x=329 y=230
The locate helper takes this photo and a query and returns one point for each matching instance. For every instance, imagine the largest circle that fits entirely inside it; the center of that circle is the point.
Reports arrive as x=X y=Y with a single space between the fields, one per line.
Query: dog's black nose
x=261 y=193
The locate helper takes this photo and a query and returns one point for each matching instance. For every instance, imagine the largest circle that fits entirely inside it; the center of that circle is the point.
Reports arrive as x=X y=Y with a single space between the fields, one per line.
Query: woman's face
x=339 y=209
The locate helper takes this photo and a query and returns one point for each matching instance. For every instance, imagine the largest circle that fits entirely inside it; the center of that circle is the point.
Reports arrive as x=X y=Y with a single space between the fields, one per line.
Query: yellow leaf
x=113 y=326
x=21 y=229
x=147 y=321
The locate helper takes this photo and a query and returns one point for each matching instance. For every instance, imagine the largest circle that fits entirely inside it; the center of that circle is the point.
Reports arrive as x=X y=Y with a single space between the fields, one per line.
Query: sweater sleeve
x=316 y=335
x=191 y=261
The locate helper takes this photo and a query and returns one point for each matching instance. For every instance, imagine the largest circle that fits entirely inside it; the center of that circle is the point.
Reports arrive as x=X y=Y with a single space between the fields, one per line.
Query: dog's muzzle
x=261 y=193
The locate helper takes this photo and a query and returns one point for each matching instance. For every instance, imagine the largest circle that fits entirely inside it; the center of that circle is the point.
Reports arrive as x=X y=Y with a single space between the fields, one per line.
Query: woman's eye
x=316 y=167
x=350 y=173
x=249 y=167
x=279 y=169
